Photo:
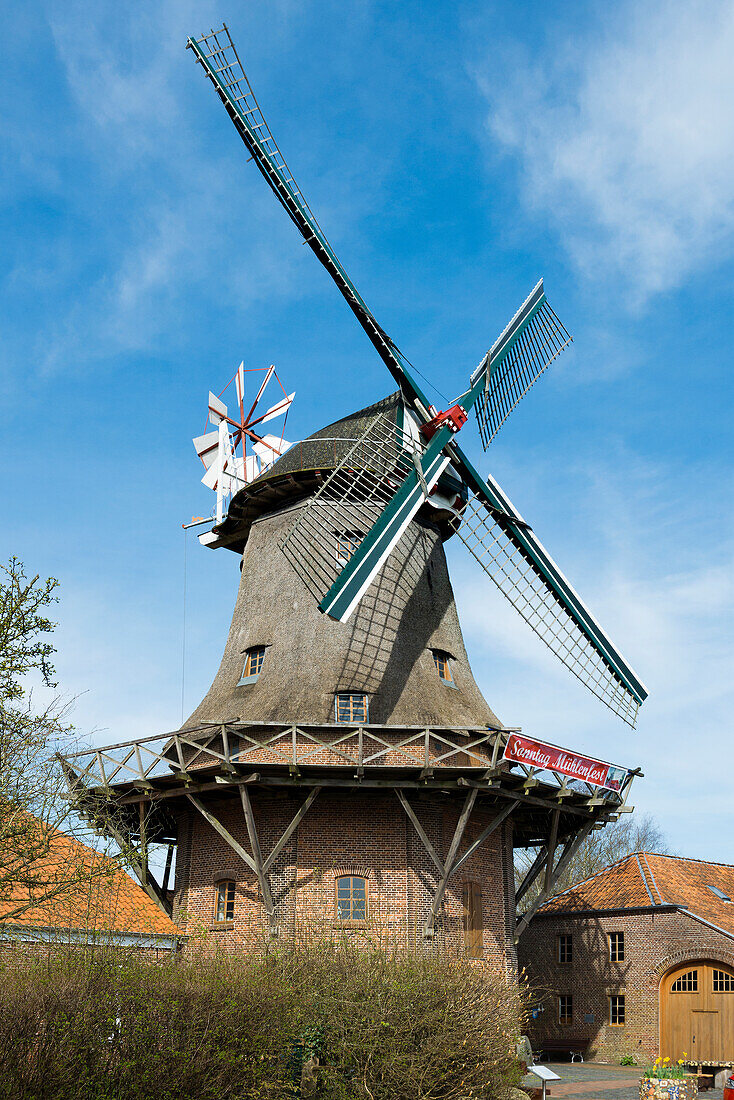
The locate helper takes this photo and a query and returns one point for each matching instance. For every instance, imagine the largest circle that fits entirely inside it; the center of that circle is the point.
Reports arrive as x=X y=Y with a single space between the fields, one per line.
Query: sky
x=454 y=152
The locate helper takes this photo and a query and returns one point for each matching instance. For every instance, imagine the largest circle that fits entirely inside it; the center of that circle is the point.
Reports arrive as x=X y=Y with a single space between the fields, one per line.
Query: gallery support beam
x=255 y=861
x=551 y=879
x=446 y=868
x=138 y=864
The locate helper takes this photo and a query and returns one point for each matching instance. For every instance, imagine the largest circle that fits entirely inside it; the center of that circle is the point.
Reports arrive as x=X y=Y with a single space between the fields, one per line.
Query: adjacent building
x=74 y=896
x=638 y=959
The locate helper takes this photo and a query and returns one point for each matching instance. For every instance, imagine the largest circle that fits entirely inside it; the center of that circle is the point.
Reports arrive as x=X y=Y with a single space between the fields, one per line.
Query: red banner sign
x=536 y=754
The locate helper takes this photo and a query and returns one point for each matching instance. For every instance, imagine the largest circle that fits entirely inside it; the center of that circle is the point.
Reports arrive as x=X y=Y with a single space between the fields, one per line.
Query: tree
x=33 y=802
x=601 y=847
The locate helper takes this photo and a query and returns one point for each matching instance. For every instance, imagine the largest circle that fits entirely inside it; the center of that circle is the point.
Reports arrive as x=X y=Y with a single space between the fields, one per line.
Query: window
x=616 y=947
x=346 y=543
x=687 y=983
x=352 y=708
x=224 y=901
x=351 y=898
x=723 y=982
x=565 y=949
x=719 y=893
x=473 y=919
x=616 y=1010
x=565 y=1009
x=442 y=661
x=253 y=664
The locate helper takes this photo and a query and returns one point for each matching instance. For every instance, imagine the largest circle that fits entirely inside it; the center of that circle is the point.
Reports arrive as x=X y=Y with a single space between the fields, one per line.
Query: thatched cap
x=301 y=470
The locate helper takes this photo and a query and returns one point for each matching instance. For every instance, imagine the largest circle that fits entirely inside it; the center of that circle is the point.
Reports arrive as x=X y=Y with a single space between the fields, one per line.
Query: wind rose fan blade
x=271 y=447
x=206 y=447
x=239 y=384
x=278 y=409
x=217 y=409
x=529 y=344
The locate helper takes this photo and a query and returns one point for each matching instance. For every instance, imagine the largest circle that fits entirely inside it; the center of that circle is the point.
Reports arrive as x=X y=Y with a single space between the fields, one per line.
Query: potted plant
x=666 y=1080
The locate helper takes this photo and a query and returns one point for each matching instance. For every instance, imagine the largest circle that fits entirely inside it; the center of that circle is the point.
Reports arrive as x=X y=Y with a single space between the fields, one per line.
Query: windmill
x=226 y=469
x=344 y=722
x=395 y=477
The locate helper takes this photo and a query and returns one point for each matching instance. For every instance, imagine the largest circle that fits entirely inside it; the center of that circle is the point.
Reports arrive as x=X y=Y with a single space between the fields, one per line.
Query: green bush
x=383 y=1026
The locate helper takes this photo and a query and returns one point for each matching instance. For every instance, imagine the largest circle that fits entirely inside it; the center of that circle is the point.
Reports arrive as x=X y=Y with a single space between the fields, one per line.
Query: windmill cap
x=300 y=470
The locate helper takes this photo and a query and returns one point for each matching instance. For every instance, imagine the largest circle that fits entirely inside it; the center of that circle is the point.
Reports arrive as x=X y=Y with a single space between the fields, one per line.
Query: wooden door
x=473 y=919
x=697 y=1013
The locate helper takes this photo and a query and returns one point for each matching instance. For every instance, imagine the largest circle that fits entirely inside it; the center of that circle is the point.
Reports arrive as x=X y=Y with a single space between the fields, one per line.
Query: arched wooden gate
x=697 y=1012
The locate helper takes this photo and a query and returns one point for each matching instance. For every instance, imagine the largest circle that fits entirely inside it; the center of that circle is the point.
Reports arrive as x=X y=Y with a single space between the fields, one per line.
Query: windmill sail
x=529 y=344
x=374 y=491
x=516 y=561
x=217 y=54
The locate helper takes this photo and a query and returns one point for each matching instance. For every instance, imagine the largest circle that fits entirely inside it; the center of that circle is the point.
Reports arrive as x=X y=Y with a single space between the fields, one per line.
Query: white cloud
x=627 y=140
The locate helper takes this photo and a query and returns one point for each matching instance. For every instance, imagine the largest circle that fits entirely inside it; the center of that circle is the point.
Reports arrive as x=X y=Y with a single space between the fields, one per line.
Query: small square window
x=616 y=947
x=442 y=661
x=565 y=1009
x=351 y=898
x=224 y=901
x=617 y=1010
x=252 y=668
x=351 y=708
x=346 y=544
x=565 y=949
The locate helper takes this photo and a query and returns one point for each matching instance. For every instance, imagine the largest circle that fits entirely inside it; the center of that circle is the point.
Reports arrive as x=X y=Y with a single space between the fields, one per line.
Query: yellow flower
x=685 y=1055
x=666 y=1059
x=658 y=1061
x=680 y=1061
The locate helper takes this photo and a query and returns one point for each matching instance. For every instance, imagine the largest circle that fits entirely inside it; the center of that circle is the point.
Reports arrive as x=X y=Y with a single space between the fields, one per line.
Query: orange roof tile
x=646 y=879
x=90 y=893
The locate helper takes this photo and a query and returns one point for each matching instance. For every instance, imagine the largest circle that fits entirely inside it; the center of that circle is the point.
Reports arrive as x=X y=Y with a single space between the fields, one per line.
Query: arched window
x=723 y=982
x=687 y=983
x=351 y=898
x=224 y=901
x=252 y=668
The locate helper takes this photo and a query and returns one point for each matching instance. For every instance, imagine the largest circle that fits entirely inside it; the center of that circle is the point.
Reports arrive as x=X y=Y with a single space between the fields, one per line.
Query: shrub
x=383 y=1026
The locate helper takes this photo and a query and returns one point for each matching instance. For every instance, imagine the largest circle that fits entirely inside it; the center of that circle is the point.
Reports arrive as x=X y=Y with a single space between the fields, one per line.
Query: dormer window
x=442 y=661
x=254 y=658
x=346 y=544
x=351 y=707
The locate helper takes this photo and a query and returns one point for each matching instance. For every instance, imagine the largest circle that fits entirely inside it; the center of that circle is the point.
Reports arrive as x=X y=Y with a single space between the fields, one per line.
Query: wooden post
x=262 y=877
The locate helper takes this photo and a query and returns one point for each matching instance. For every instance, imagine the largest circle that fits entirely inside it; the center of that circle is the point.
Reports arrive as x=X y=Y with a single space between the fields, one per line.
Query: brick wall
x=362 y=832
x=654 y=943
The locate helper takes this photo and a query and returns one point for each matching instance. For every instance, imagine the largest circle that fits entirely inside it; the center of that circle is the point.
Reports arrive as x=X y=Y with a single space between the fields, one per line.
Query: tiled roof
x=647 y=878
x=91 y=893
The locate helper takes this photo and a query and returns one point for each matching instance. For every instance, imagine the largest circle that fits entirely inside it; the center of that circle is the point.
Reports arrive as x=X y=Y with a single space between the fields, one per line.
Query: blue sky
x=453 y=152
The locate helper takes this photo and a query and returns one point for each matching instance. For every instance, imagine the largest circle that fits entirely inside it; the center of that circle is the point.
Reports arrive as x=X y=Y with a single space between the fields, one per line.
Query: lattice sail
x=529 y=344
x=338 y=517
x=529 y=593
